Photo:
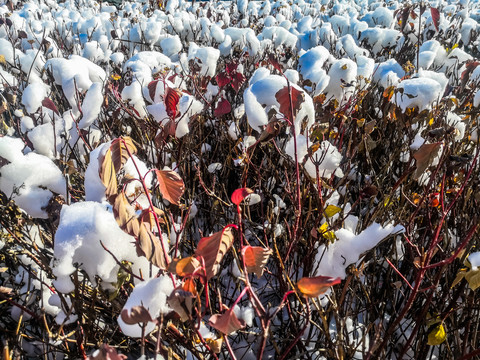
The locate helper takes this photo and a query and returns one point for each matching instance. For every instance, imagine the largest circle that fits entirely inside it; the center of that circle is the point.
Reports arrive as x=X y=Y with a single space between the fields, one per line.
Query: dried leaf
x=181 y=302
x=106 y=352
x=125 y=215
x=213 y=248
x=5 y=290
x=215 y=344
x=256 y=257
x=437 y=335
x=172 y=98
x=136 y=315
x=424 y=157
x=283 y=98
x=185 y=266
x=227 y=322
x=316 y=286
x=240 y=194
x=435 y=17
x=149 y=246
x=171 y=185
x=223 y=108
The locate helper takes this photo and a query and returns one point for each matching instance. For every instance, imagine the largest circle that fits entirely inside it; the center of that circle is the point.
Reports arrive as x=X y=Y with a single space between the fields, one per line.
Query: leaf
x=171 y=100
x=316 y=286
x=48 y=103
x=283 y=98
x=256 y=257
x=424 y=157
x=152 y=89
x=181 y=302
x=275 y=63
x=22 y=34
x=149 y=246
x=113 y=161
x=240 y=194
x=125 y=216
x=227 y=322
x=331 y=210
x=223 y=108
x=136 y=315
x=213 y=249
x=185 y=266
x=473 y=278
x=437 y=335
x=106 y=352
x=231 y=67
x=215 y=344
x=171 y=185
x=5 y=290
x=435 y=17
x=238 y=79
x=222 y=79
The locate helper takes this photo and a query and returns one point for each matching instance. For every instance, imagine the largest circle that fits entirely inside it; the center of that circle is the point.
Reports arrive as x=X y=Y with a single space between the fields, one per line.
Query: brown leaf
x=182 y=302
x=149 y=246
x=240 y=194
x=213 y=248
x=256 y=257
x=424 y=157
x=316 y=286
x=227 y=322
x=170 y=185
x=125 y=215
x=185 y=266
x=136 y=315
x=106 y=352
x=283 y=98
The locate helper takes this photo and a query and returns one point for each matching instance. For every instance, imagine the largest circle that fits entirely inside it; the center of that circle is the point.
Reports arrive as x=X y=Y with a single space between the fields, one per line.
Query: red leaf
x=223 y=108
x=237 y=81
x=275 y=63
x=256 y=257
x=48 y=103
x=213 y=248
x=227 y=322
x=316 y=286
x=152 y=89
x=170 y=185
x=435 y=16
x=231 y=67
x=222 y=79
x=283 y=98
x=240 y=194
x=171 y=102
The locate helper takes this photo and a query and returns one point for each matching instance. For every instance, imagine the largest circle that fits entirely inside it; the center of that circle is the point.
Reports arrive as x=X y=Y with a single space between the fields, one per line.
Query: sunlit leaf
x=171 y=185
x=437 y=335
x=125 y=216
x=137 y=314
x=149 y=245
x=227 y=322
x=185 y=266
x=316 y=286
x=215 y=344
x=331 y=210
x=240 y=194
x=256 y=257
x=213 y=249
x=283 y=98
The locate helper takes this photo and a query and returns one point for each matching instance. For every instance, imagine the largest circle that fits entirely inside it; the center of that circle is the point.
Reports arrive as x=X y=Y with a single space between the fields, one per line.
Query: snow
x=419 y=92
x=91 y=105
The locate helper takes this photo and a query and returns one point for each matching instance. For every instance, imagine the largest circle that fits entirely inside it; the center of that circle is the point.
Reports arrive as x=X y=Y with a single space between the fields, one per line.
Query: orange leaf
x=256 y=257
x=125 y=215
x=149 y=246
x=316 y=286
x=424 y=157
x=227 y=322
x=213 y=248
x=170 y=185
x=185 y=266
x=240 y=194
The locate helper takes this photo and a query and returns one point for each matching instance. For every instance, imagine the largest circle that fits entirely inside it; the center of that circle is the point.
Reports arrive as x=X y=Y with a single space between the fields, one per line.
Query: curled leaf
x=48 y=103
x=316 y=286
x=213 y=249
x=240 y=194
x=137 y=314
x=171 y=185
x=227 y=322
x=256 y=257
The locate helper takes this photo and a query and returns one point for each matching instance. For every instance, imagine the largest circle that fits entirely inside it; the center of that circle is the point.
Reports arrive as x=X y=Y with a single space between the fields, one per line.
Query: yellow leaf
x=115 y=77
x=459 y=277
x=331 y=210
x=473 y=278
x=2 y=60
x=344 y=67
x=431 y=121
x=437 y=335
